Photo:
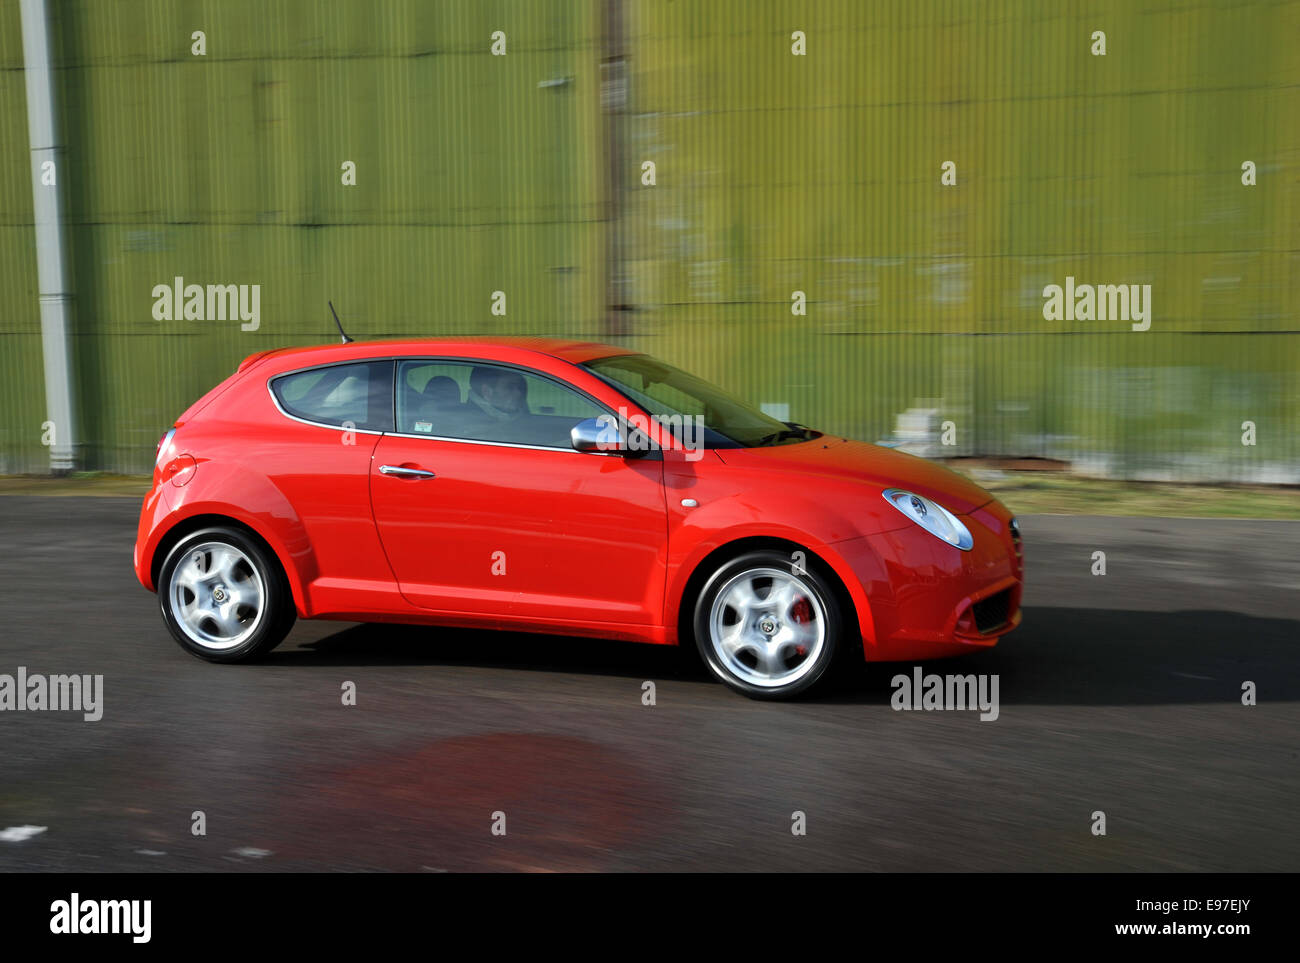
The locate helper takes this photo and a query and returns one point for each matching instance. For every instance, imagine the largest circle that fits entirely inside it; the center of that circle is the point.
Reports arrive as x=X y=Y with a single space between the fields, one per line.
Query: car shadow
x=1101 y=657
x=375 y=644
x=1058 y=656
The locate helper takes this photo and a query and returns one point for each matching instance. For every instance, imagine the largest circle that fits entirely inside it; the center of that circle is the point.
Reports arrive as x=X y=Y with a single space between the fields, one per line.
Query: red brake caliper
x=801 y=611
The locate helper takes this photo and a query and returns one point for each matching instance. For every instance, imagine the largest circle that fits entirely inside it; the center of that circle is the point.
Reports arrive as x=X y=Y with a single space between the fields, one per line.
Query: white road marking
x=16 y=834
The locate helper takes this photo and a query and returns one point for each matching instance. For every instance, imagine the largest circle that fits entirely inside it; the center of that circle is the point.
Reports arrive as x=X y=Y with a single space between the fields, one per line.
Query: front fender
x=695 y=534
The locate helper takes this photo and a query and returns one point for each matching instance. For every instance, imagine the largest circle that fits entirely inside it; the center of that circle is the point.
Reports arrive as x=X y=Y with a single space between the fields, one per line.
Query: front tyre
x=766 y=627
x=224 y=597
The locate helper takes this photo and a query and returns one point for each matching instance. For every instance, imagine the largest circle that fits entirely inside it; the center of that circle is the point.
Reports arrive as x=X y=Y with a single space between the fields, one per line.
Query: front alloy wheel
x=766 y=626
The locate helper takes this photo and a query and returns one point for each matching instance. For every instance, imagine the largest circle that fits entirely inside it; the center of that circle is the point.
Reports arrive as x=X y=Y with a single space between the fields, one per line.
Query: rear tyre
x=224 y=597
x=766 y=627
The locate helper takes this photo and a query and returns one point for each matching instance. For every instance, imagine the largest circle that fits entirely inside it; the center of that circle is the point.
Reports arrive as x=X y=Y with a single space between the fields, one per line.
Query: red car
x=562 y=487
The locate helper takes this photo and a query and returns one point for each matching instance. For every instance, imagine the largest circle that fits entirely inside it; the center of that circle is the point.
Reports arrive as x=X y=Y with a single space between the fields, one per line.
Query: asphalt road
x=1120 y=693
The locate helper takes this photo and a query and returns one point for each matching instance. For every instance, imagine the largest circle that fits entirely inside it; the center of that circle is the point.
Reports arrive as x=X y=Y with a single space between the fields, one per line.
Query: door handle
x=398 y=471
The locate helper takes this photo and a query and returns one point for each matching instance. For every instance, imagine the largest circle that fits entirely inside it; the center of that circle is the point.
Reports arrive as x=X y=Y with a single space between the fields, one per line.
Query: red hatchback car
x=562 y=487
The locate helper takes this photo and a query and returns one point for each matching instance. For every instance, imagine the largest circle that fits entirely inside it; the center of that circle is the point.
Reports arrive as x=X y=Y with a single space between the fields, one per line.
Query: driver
x=498 y=393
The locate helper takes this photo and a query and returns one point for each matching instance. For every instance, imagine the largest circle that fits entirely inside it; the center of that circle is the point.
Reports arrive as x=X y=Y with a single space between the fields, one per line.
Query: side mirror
x=602 y=436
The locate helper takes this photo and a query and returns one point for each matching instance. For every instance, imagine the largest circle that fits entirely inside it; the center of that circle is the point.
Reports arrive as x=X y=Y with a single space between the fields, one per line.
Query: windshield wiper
x=785 y=434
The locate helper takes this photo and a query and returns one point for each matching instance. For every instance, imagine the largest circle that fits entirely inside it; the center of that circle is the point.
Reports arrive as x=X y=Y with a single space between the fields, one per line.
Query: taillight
x=164 y=444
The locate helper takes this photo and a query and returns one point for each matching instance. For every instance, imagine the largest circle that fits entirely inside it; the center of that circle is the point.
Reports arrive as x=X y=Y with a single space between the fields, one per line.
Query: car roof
x=573 y=351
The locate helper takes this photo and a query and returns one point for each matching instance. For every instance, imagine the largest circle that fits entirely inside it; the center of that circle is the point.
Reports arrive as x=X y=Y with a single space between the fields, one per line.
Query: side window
x=340 y=395
x=487 y=402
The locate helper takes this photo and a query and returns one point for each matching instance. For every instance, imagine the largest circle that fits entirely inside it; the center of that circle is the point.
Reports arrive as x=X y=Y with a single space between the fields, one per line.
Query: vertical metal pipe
x=50 y=261
x=613 y=102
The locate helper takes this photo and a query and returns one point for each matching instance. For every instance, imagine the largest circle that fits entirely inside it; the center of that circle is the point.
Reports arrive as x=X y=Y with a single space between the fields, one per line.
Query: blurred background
x=774 y=173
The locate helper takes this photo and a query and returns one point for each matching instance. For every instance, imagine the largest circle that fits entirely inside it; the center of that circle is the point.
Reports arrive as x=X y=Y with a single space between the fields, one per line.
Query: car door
x=483 y=507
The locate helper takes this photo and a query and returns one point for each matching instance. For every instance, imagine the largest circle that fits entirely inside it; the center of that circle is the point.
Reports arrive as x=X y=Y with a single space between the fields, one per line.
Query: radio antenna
x=338 y=323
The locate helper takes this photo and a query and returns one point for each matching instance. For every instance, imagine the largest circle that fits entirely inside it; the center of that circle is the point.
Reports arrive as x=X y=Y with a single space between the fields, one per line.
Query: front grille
x=992 y=613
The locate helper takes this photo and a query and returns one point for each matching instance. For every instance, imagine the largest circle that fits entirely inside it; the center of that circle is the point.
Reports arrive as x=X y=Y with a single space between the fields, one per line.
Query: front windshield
x=671 y=395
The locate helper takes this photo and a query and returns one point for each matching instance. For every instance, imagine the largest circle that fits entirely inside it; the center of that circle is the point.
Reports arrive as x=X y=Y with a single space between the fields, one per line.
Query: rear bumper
x=929 y=599
x=149 y=532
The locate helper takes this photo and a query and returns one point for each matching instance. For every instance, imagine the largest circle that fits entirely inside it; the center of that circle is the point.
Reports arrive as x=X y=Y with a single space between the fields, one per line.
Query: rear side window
x=358 y=395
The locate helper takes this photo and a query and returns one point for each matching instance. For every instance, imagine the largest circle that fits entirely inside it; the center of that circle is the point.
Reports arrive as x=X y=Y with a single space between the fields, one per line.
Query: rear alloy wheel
x=223 y=597
x=767 y=627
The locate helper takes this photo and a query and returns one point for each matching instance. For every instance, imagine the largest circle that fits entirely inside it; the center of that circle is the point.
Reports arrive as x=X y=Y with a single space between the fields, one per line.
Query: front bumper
x=929 y=599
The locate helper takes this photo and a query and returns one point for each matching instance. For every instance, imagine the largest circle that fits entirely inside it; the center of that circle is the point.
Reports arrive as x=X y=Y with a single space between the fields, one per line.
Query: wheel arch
x=828 y=564
x=193 y=523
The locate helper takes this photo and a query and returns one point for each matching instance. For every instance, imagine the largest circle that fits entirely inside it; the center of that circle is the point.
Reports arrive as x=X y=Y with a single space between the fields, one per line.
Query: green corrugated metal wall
x=821 y=173
x=775 y=173
x=227 y=169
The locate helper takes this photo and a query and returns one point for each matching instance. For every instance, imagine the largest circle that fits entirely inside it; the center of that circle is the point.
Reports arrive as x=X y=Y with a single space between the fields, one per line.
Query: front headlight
x=931 y=516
